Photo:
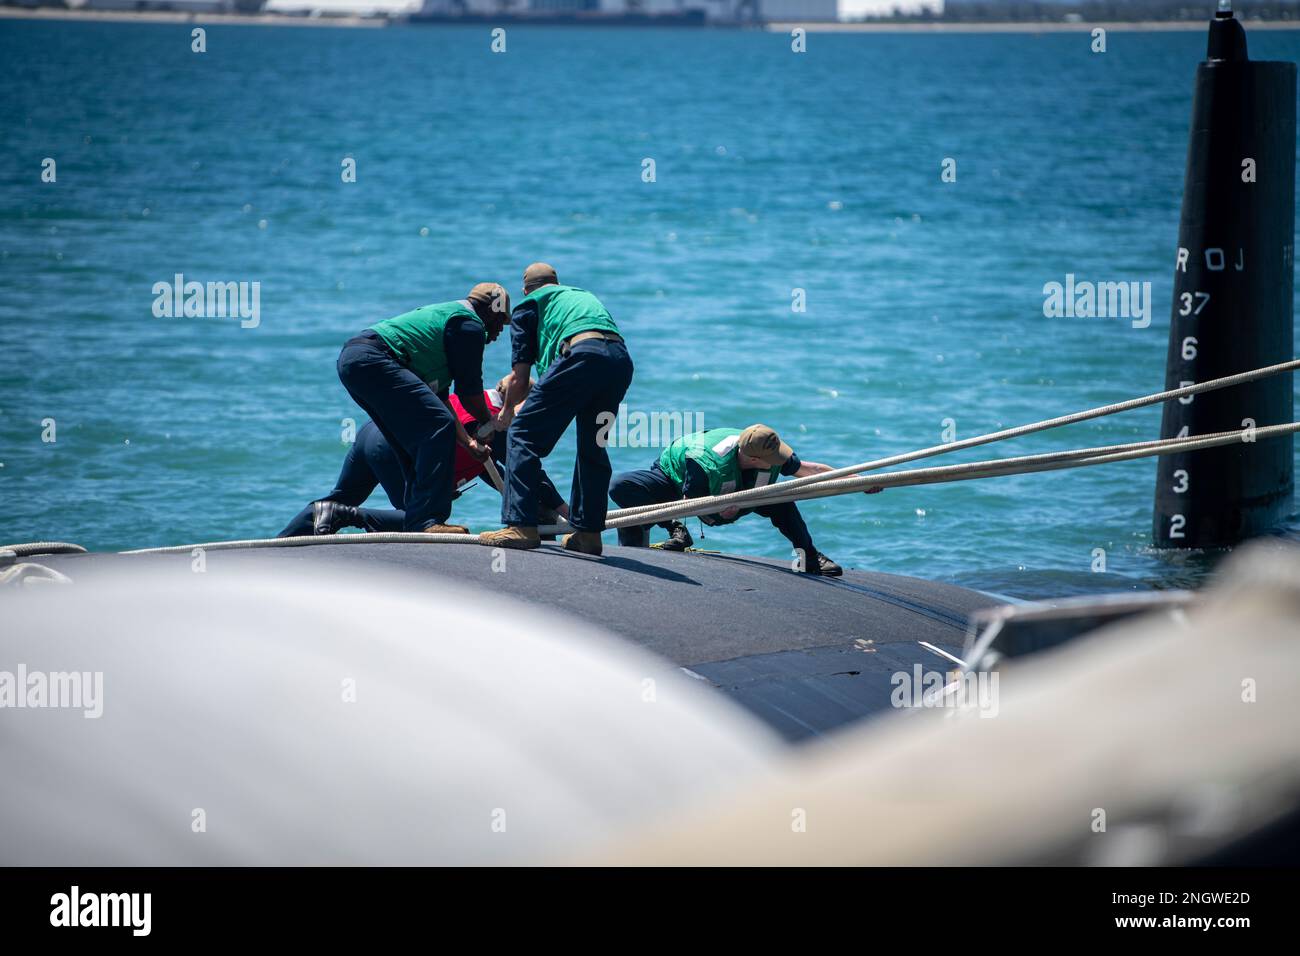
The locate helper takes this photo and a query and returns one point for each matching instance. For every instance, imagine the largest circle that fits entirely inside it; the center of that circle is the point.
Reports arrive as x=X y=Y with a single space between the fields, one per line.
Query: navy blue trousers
x=647 y=486
x=416 y=422
x=592 y=378
x=370 y=462
x=650 y=486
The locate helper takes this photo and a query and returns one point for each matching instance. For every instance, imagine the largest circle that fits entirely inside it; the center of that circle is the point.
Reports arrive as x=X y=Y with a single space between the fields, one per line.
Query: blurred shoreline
x=1023 y=26
x=351 y=20
x=182 y=16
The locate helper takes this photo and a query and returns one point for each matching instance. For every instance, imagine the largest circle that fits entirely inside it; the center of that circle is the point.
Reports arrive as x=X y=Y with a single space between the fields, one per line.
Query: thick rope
x=839 y=481
x=755 y=494
x=33 y=548
x=1023 y=464
x=993 y=468
x=27 y=574
x=385 y=537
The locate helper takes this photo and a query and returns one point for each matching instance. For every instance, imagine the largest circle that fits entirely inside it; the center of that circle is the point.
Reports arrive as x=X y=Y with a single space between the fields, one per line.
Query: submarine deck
x=804 y=654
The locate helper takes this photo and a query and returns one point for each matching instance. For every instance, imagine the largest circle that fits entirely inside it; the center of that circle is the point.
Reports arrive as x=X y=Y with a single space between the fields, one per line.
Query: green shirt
x=716 y=452
x=562 y=312
x=418 y=339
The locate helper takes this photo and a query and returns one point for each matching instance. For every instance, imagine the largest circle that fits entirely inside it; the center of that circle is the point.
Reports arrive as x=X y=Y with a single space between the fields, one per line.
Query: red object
x=466 y=468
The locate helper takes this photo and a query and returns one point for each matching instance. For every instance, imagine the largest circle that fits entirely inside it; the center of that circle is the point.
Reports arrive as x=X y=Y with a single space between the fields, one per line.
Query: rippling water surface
x=774 y=172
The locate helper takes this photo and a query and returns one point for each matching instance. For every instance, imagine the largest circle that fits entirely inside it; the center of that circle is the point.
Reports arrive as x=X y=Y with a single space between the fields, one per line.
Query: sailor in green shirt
x=400 y=371
x=718 y=462
x=585 y=372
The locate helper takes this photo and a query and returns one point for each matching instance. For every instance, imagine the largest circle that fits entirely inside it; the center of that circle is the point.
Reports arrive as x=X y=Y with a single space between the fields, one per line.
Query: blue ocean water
x=774 y=171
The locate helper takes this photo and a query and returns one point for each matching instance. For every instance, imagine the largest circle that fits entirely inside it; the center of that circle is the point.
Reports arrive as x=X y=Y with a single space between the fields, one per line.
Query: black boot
x=679 y=539
x=825 y=567
x=327 y=517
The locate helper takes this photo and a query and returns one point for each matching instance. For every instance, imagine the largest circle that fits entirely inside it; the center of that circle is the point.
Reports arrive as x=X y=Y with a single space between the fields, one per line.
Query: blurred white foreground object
x=1159 y=740
x=258 y=715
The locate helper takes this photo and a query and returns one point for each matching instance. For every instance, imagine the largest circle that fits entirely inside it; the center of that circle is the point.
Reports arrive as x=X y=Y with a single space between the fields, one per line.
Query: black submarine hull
x=806 y=655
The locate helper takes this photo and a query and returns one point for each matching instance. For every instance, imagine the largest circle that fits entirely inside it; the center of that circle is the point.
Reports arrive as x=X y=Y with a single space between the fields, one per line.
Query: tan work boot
x=521 y=539
x=587 y=542
x=446 y=529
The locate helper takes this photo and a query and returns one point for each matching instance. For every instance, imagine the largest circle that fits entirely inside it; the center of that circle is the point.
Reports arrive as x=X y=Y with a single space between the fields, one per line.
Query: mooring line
x=992 y=468
x=848 y=480
x=379 y=537
x=756 y=494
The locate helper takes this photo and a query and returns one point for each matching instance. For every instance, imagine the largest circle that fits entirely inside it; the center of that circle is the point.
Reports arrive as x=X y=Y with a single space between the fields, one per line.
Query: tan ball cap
x=759 y=441
x=489 y=297
x=538 y=275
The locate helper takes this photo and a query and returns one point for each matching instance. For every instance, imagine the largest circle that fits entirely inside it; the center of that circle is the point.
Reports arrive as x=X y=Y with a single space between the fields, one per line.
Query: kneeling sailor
x=718 y=462
x=371 y=461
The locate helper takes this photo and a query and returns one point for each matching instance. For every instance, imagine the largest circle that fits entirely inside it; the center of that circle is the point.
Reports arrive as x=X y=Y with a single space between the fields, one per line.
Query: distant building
x=722 y=10
x=715 y=10
x=560 y=6
x=862 y=9
x=180 y=6
x=391 y=8
x=787 y=9
x=729 y=10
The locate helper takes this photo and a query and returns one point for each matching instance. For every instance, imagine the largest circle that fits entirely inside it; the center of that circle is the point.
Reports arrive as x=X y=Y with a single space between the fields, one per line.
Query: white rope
x=384 y=537
x=993 y=468
x=1024 y=464
x=27 y=574
x=30 y=549
x=755 y=494
x=839 y=481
